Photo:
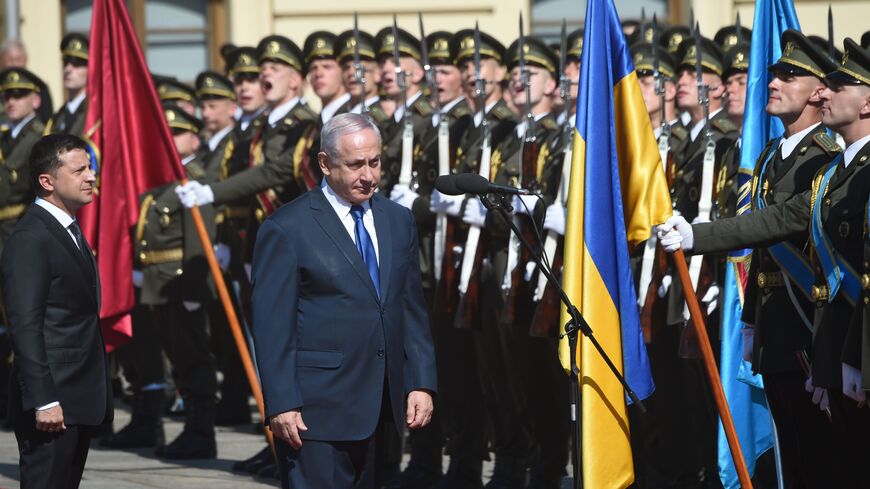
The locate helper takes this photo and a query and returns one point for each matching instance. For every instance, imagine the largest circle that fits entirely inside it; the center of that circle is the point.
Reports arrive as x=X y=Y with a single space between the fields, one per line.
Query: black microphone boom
x=446 y=184
x=476 y=184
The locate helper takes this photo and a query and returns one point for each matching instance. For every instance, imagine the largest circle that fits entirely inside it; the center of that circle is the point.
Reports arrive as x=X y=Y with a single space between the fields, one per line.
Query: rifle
x=358 y=71
x=406 y=172
x=443 y=151
x=472 y=256
x=545 y=322
x=514 y=280
x=831 y=50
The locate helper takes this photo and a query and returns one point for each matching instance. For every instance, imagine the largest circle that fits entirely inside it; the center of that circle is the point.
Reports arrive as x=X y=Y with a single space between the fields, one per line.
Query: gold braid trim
x=225 y=163
x=143 y=212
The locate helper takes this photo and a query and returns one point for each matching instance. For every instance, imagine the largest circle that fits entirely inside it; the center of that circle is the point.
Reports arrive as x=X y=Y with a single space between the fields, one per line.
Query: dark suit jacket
x=325 y=342
x=52 y=295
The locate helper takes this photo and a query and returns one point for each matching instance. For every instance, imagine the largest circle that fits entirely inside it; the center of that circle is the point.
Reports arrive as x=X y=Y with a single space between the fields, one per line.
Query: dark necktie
x=365 y=246
x=80 y=240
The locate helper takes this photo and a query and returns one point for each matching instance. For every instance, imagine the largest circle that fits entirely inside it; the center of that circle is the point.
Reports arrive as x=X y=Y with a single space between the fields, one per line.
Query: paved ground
x=140 y=469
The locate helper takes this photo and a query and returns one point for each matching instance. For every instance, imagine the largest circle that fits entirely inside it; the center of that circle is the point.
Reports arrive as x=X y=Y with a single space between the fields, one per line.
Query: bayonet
x=406 y=176
x=358 y=71
x=400 y=73
x=703 y=95
x=660 y=87
x=427 y=68
x=480 y=84
x=527 y=83
x=831 y=52
x=739 y=33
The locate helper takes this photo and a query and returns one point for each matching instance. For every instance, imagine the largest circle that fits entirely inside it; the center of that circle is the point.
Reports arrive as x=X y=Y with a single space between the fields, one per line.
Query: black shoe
x=461 y=475
x=189 y=445
x=415 y=478
x=137 y=434
x=232 y=413
x=507 y=474
x=269 y=471
x=255 y=463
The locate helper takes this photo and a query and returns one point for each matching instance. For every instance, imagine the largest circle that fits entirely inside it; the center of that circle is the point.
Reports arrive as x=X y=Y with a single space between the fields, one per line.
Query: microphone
x=470 y=183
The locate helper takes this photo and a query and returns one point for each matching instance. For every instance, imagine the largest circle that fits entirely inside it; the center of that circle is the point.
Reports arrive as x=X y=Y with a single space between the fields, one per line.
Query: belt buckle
x=820 y=293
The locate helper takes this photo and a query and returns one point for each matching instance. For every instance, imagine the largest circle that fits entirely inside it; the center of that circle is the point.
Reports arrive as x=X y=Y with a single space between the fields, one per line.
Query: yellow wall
x=41 y=34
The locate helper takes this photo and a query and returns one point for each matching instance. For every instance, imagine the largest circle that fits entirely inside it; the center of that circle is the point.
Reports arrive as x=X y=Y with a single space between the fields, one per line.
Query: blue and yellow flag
x=618 y=192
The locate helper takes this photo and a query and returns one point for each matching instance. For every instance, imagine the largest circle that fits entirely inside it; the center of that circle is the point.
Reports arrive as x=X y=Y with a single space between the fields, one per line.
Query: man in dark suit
x=60 y=389
x=339 y=320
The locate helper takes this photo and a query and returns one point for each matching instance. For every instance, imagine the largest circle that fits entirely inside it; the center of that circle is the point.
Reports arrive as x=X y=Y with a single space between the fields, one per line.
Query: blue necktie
x=365 y=246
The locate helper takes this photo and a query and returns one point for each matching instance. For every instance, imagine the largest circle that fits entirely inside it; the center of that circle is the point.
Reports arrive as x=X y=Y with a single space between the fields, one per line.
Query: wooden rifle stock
x=545 y=322
x=447 y=297
x=468 y=309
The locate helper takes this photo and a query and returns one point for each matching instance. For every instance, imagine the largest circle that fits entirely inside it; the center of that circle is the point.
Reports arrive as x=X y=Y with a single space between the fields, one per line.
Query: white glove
x=530 y=269
x=554 y=219
x=403 y=196
x=820 y=396
x=663 y=288
x=448 y=204
x=191 y=306
x=675 y=233
x=138 y=278
x=222 y=253
x=525 y=204
x=852 y=384
x=748 y=342
x=248 y=267
x=475 y=213
x=194 y=193
x=711 y=298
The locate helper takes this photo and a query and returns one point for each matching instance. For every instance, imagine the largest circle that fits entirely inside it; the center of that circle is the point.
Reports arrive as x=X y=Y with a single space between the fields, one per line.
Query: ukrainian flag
x=618 y=192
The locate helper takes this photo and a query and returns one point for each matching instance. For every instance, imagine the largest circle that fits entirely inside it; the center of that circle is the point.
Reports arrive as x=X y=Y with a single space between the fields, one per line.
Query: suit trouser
x=805 y=433
x=851 y=447
x=51 y=460
x=186 y=341
x=142 y=358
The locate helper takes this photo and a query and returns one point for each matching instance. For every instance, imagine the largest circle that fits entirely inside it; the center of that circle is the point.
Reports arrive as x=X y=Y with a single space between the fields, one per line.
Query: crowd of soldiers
x=462 y=102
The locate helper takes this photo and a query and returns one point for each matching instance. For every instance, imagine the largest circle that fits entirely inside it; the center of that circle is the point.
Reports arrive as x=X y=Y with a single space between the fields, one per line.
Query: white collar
x=282 y=110
x=73 y=105
x=216 y=139
x=685 y=118
x=400 y=111
x=699 y=126
x=521 y=127
x=341 y=206
x=853 y=149
x=436 y=117
x=187 y=159
x=787 y=145
x=478 y=117
x=329 y=110
x=357 y=109
x=18 y=127
x=245 y=119
x=62 y=217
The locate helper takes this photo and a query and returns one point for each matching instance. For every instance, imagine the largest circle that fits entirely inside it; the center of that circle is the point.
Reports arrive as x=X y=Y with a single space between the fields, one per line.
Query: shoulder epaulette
x=501 y=112
x=5 y=127
x=423 y=107
x=37 y=127
x=302 y=113
x=194 y=170
x=549 y=123
x=679 y=132
x=724 y=125
x=377 y=113
x=460 y=111
x=827 y=143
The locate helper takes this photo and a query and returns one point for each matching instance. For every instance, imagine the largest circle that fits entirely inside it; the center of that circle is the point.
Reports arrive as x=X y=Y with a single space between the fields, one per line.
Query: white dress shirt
x=400 y=111
x=215 y=140
x=281 y=111
x=329 y=110
x=521 y=127
x=699 y=126
x=436 y=117
x=23 y=122
x=478 y=117
x=342 y=209
x=357 y=109
x=853 y=149
x=73 y=105
x=788 y=145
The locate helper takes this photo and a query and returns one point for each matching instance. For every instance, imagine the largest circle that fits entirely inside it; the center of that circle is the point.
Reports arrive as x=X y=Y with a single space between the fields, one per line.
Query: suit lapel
x=326 y=217
x=385 y=240
x=61 y=234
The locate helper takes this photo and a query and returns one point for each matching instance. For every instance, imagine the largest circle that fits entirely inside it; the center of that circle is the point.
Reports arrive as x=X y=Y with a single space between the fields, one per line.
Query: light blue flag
x=743 y=390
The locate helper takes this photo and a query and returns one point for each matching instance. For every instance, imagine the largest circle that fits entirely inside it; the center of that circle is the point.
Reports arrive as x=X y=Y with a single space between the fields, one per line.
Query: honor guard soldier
x=176 y=286
x=672 y=37
x=245 y=74
x=324 y=74
x=170 y=90
x=700 y=93
x=21 y=97
x=410 y=124
x=451 y=116
x=362 y=84
x=832 y=212
x=736 y=63
x=732 y=35
x=217 y=102
x=70 y=119
x=518 y=426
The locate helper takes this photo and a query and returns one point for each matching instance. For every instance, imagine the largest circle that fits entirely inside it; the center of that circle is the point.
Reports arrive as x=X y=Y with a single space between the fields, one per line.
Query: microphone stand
x=502 y=204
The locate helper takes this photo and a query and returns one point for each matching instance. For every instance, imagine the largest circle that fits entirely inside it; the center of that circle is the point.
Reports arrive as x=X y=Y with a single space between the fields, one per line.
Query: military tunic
x=65 y=122
x=15 y=191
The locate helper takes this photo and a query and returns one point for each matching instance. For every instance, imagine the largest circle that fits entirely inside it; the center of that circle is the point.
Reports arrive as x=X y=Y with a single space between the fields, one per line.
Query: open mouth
x=267 y=85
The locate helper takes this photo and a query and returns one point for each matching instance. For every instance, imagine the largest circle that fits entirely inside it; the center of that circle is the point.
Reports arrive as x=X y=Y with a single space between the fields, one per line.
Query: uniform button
x=380 y=353
x=382 y=311
x=827 y=201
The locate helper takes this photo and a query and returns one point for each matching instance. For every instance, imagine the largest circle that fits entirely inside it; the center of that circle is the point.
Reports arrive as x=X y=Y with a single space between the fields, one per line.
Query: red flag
x=131 y=150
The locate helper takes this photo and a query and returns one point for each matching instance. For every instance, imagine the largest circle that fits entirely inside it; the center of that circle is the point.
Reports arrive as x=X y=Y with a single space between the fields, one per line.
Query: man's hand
x=852 y=384
x=419 y=409
x=554 y=219
x=194 y=193
x=475 y=213
x=675 y=233
x=820 y=396
x=711 y=298
x=448 y=204
x=403 y=195
x=50 y=420
x=222 y=255
x=287 y=426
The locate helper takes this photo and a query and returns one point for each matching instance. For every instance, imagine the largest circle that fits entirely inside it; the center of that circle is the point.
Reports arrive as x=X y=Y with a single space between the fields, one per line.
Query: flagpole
x=232 y=319
x=712 y=370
